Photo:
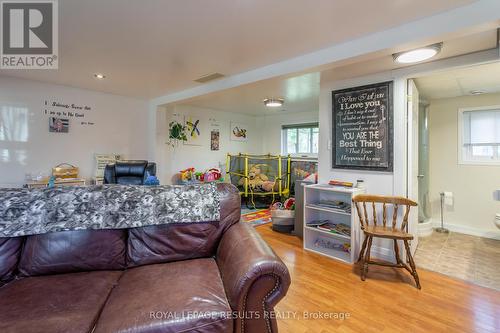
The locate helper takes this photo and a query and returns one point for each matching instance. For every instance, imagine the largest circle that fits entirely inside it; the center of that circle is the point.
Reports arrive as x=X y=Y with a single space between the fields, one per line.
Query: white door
x=412 y=164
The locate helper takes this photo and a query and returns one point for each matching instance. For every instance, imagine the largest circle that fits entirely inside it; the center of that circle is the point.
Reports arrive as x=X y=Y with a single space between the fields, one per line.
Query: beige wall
x=472 y=185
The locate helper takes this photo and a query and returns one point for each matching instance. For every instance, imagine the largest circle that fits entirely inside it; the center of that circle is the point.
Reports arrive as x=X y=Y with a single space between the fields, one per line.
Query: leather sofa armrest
x=254 y=277
x=149 y=171
x=109 y=174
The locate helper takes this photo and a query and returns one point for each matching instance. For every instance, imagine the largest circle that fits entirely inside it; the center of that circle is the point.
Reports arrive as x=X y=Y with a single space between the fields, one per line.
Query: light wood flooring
x=386 y=302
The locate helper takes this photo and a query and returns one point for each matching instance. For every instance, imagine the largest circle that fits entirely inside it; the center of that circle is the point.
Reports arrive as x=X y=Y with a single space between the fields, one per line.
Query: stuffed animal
x=255 y=178
x=269 y=186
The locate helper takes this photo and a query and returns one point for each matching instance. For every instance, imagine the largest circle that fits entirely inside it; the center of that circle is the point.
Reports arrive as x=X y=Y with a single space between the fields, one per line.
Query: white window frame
x=463 y=160
x=284 y=140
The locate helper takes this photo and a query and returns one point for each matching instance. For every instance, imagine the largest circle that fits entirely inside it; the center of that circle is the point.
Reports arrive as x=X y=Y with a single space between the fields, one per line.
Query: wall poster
x=58 y=125
x=362 y=134
x=239 y=132
x=195 y=131
x=214 y=139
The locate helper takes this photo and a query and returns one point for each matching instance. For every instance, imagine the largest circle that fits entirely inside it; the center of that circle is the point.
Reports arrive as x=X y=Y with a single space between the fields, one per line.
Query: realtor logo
x=29 y=35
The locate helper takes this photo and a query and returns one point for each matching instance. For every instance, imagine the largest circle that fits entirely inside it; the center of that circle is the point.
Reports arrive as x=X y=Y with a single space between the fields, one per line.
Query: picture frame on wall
x=214 y=140
x=195 y=130
x=58 y=125
x=362 y=128
x=238 y=132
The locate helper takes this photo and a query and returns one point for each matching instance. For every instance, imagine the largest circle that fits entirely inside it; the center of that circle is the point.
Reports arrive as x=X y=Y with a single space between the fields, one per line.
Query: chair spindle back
x=395 y=202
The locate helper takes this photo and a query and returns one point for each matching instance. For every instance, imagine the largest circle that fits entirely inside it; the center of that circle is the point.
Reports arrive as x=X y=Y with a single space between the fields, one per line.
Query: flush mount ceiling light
x=274 y=102
x=477 y=92
x=99 y=76
x=417 y=55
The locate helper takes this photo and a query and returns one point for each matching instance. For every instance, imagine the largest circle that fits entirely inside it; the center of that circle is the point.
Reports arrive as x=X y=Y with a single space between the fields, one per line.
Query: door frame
x=412 y=144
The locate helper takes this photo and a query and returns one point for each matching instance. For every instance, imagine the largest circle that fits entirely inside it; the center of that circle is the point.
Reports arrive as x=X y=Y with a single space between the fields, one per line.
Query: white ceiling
x=383 y=61
x=301 y=93
x=460 y=82
x=154 y=47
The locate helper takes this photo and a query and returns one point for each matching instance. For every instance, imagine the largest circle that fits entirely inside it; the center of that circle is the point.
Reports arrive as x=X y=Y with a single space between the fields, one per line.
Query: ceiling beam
x=461 y=18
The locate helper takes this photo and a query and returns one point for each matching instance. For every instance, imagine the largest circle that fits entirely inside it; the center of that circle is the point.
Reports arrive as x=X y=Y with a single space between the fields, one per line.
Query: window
x=479 y=130
x=300 y=139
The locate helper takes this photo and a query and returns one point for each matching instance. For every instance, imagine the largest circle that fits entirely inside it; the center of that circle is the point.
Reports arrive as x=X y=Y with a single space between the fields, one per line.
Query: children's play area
x=267 y=185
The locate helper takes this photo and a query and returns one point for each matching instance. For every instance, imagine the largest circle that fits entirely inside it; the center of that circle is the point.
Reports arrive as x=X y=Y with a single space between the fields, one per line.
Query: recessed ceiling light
x=417 y=55
x=477 y=92
x=274 y=102
x=99 y=76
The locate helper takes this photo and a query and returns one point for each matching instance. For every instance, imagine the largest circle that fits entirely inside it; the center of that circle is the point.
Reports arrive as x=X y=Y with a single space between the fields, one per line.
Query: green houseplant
x=176 y=133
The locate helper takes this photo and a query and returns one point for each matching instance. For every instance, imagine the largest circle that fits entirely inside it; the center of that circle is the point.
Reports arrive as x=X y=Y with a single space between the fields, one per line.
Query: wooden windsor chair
x=393 y=232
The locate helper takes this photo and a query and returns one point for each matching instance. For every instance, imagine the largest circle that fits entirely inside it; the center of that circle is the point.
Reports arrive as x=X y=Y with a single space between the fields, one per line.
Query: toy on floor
x=283 y=215
x=191 y=176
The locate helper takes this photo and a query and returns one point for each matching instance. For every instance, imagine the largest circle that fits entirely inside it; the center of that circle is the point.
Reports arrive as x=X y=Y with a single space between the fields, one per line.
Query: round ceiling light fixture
x=274 y=102
x=418 y=55
x=477 y=92
x=99 y=76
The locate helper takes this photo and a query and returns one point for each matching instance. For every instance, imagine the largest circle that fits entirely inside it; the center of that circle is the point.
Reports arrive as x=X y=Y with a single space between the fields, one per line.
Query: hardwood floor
x=386 y=302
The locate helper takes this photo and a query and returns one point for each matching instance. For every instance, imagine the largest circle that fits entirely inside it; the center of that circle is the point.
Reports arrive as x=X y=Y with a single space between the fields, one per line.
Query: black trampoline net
x=262 y=173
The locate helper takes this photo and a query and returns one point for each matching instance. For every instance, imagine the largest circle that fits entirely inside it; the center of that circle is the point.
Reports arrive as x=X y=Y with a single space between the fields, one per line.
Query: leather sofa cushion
x=161 y=298
x=73 y=251
x=165 y=243
x=130 y=168
x=56 y=303
x=128 y=180
x=10 y=251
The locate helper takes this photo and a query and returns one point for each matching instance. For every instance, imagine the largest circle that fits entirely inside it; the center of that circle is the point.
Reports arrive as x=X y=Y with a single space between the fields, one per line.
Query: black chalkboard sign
x=362 y=133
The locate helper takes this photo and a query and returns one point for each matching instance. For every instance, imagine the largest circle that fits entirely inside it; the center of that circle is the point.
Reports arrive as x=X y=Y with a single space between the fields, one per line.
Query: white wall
x=120 y=125
x=472 y=185
x=201 y=157
x=271 y=127
x=384 y=183
x=264 y=136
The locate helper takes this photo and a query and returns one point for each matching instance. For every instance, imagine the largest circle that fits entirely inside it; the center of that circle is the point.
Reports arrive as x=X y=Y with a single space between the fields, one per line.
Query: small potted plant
x=176 y=133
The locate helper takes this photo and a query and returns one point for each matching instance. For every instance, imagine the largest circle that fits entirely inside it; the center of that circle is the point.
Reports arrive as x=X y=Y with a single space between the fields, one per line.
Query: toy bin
x=283 y=220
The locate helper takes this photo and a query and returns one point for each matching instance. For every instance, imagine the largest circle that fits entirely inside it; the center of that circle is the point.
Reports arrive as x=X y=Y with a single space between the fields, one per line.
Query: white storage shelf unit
x=322 y=242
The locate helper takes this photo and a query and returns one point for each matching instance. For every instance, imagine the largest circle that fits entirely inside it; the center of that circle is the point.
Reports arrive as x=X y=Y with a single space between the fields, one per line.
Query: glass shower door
x=423 y=163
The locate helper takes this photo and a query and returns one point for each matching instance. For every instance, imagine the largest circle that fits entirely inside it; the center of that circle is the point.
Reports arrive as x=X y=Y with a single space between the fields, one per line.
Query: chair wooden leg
x=396 y=252
x=366 y=258
x=363 y=248
x=412 y=264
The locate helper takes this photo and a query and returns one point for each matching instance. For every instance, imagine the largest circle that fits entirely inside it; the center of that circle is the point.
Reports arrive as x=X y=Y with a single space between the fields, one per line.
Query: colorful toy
x=213 y=174
x=199 y=176
x=152 y=181
x=190 y=176
x=186 y=175
x=289 y=203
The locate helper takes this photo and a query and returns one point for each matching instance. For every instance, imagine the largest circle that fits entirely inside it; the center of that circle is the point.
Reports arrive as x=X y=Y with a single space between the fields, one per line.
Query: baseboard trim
x=468 y=230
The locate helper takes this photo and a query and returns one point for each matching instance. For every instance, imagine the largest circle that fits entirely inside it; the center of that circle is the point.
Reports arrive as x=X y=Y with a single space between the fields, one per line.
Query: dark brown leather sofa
x=202 y=277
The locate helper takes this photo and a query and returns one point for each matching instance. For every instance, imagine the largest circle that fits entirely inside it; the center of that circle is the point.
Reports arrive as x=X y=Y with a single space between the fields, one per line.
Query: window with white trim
x=480 y=135
x=300 y=140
